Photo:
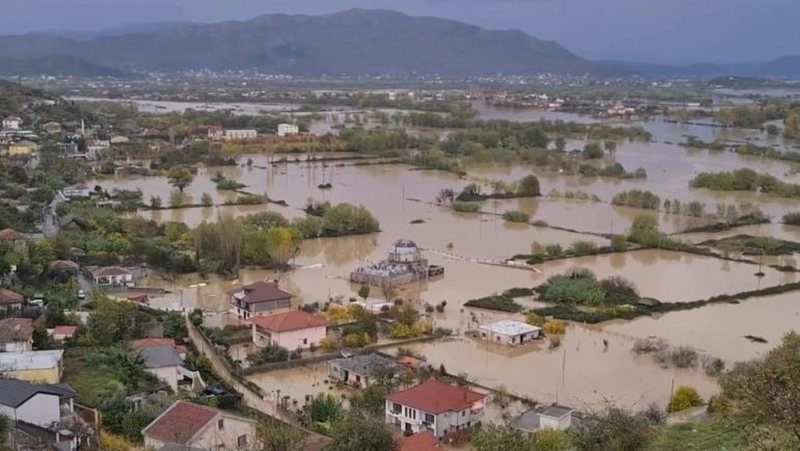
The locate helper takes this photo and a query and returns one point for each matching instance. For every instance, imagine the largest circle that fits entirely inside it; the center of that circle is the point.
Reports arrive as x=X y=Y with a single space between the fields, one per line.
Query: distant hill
x=354 y=42
x=785 y=67
x=57 y=65
x=117 y=31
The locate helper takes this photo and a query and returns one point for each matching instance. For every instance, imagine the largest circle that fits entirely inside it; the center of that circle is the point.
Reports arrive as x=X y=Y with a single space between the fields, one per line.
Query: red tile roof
x=10 y=234
x=64 y=265
x=285 y=322
x=110 y=271
x=421 y=441
x=180 y=422
x=16 y=330
x=436 y=397
x=261 y=292
x=67 y=331
x=151 y=343
x=10 y=297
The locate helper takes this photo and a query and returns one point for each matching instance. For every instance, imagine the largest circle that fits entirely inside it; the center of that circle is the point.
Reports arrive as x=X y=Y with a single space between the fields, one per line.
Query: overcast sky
x=675 y=31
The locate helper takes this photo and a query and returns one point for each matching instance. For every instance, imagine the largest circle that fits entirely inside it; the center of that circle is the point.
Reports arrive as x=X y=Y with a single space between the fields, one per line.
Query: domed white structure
x=405 y=264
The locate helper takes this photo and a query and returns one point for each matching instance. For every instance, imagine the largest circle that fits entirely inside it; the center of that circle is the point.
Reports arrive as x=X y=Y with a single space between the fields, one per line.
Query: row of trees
x=745 y=180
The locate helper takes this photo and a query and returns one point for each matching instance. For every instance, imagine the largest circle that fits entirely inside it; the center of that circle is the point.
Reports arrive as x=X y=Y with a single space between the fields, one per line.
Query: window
x=411 y=413
x=429 y=418
x=463 y=413
x=241 y=442
x=305 y=341
x=221 y=425
x=396 y=408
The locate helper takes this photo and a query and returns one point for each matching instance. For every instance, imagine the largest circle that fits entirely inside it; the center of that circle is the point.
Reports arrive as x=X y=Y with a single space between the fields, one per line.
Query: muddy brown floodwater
x=598 y=365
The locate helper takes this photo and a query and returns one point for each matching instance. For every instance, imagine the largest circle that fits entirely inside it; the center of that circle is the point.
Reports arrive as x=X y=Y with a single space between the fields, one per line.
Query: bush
x=792 y=218
x=529 y=186
x=554 y=250
x=516 y=216
x=619 y=243
x=684 y=357
x=555 y=327
x=535 y=320
x=649 y=346
x=499 y=303
x=685 y=397
x=563 y=289
x=270 y=354
x=580 y=248
x=466 y=207
x=592 y=151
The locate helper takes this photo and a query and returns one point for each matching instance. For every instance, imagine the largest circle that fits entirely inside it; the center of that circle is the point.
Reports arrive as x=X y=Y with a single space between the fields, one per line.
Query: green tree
x=155 y=202
x=592 y=151
x=275 y=436
x=529 y=186
x=644 y=230
x=206 y=200
x=619 y=242
x=769 y=388
x=561 y=144
x=363 y=292
x=356 y=431
x=492 y=438
x=322 y=411
x=180 y=177
x=611 y=430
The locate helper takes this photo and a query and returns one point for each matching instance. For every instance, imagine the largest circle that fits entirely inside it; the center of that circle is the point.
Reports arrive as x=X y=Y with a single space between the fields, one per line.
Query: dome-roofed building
x=405 y=264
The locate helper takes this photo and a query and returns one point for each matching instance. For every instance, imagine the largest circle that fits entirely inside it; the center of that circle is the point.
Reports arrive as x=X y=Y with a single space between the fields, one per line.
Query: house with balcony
x=436 y=407
x=260 y=299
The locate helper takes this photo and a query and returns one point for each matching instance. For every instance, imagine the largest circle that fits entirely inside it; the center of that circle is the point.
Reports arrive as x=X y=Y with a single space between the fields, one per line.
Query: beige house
x=33 y=366
x=16 y=335
x=22 y=148
x=185 y=425
x=292 y=330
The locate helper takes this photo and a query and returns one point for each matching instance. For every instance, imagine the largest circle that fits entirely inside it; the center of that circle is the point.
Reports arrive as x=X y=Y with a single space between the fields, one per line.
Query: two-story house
x=260 y=299
x=185 y=425
x=436 y=407
x=40 y=405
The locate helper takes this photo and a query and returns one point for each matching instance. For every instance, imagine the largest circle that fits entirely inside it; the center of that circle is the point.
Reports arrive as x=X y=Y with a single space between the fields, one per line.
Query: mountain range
x=354 y=42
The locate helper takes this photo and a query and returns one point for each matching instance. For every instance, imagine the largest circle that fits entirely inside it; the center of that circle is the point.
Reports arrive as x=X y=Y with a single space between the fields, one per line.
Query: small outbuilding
x=554 y=416
x=362 y=370
x=508 y=332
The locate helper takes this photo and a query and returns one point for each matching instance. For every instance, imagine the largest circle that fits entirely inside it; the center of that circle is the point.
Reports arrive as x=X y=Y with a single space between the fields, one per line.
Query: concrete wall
x=16 y=346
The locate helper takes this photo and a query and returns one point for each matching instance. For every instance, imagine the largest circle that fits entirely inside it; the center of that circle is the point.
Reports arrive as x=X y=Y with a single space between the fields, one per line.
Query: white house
x=112 y=276
x=12 y=122
x=508 y=332
x=41 y=405
x=240 y=134
x=189 y=426
x=550 y=417
x=164 y=363
x=288 y=129
x=76 y=191
x=435 y=407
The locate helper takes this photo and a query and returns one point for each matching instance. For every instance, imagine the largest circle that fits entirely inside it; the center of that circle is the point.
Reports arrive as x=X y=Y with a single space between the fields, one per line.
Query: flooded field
x=719 y=329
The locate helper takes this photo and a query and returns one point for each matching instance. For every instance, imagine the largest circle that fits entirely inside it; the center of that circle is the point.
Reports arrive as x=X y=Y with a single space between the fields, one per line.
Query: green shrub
x=583 y=248
x=516 y=216
x=685 y=397
x=499 y=303
x=792 y=218
x=619 y=243
x=563 y=289
x=466 y=207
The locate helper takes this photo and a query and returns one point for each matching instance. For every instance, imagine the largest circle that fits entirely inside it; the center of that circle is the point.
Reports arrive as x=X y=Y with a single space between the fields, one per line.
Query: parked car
x=81 y=294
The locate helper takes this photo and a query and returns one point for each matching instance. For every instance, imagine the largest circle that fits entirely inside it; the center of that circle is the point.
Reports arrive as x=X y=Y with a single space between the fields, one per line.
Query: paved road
x=249 y=396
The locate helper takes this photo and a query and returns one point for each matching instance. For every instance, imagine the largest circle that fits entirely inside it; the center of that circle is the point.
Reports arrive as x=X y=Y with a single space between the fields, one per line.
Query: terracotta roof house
x=61 y=333
x=185 y=425
x=421 y=441
x=112 y=276
x=154 y=342
x=292 y=330
x=16 y=335
x=9 y=235
x=259 y=299
x=10 y=302
x=436 y=407
x=64 y=265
